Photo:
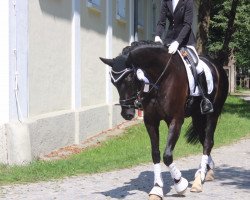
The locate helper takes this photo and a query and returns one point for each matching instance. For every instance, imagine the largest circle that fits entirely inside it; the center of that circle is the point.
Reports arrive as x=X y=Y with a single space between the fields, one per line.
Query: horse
x=168 y=99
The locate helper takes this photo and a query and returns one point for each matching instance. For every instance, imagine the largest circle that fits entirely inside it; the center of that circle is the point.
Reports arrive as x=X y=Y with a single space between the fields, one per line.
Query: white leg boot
x=182 y=185
x=157 y=190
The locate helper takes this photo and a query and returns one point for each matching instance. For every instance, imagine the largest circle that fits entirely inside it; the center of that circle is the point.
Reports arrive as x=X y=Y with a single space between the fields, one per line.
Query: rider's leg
x=206 y=105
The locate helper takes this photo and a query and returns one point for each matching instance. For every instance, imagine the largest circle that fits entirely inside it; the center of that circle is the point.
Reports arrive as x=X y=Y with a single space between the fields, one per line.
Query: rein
x=163 y=72
x=136 y=101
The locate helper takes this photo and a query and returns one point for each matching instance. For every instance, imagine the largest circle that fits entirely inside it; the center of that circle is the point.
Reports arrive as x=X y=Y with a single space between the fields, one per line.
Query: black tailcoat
x=180 y=22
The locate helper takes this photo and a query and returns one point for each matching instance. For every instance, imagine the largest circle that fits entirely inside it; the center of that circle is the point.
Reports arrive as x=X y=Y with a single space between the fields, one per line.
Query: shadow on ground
x=243 y=110
x=226 y=175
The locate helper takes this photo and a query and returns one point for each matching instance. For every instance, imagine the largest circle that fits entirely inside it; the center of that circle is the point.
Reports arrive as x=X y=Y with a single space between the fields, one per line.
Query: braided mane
x=137 y=44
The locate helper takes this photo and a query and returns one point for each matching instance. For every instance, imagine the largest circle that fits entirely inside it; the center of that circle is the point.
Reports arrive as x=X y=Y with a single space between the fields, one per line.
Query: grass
x=242 y=90
x=130 y=149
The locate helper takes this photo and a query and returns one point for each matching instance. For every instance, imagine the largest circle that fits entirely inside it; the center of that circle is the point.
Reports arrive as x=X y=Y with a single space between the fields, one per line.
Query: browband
x=120 y=74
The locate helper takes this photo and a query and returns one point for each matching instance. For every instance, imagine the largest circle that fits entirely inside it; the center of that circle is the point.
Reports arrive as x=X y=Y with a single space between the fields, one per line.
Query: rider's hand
x=173 y=47
x=158 y=39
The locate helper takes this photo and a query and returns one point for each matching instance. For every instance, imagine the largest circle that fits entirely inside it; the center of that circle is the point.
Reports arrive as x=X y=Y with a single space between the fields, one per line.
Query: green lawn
x=130 y=149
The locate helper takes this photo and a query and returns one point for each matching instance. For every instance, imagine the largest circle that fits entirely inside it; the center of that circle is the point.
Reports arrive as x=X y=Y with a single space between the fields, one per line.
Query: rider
x=180 y=16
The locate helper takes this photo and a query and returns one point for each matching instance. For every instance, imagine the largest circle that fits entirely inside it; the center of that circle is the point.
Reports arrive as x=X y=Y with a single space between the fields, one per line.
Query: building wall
x=49 y=59
x=66 y=95
x=4 y=62
x=93 y=31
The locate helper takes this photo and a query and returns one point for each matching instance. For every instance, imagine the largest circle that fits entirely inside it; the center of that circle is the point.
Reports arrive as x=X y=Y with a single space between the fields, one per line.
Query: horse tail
x=191 y=135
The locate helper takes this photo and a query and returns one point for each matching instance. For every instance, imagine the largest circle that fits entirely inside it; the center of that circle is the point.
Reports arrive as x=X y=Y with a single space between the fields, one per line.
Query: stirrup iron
x=206 y=106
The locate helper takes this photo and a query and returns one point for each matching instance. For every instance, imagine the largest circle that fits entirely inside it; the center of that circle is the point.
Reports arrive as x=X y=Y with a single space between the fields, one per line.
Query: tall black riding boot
x=205 y=105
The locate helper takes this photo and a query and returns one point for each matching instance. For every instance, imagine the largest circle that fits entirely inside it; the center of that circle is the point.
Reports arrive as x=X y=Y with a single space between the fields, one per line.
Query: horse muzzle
x=128 y=113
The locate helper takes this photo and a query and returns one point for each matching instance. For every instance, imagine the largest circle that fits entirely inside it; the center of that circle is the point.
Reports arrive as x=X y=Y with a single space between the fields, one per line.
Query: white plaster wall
x=93 y=40
x=18 y=143
x=121 y=36
x=4 y=61
x=51 y=131
x=3 y=145
x=49 y=56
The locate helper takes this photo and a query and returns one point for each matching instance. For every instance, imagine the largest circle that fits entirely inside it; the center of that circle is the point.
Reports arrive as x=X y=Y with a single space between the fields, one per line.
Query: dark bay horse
x=167 y=100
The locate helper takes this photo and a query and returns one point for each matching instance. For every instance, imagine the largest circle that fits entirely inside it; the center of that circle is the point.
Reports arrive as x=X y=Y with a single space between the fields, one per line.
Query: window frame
x=121 y=10
x=94 y=4
x=141 y=14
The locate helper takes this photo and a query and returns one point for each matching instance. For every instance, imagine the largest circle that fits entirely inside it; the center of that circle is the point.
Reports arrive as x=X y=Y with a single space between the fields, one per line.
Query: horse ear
x=107 y=61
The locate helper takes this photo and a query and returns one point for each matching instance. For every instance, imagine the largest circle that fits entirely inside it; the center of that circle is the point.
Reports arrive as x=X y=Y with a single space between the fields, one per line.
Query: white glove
x=173 y=47
x=158 y=39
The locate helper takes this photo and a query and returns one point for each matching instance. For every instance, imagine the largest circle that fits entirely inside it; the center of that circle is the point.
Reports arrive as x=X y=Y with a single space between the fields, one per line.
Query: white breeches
x=199 y=67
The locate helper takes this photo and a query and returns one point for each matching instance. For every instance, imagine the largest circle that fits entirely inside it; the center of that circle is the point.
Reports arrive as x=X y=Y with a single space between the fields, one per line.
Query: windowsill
x=121 y=19
x=140 y=27
x=93 y=7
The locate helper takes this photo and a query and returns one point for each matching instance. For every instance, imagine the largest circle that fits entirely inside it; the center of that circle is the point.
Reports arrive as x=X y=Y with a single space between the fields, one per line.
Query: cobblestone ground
x=232 y=181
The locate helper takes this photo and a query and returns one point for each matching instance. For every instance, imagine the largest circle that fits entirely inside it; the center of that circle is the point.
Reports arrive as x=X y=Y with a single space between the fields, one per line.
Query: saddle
x=197 y=89
x=191 y=58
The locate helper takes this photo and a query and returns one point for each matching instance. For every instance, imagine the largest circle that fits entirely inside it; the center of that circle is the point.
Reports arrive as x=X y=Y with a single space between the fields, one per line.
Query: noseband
x=128 y=103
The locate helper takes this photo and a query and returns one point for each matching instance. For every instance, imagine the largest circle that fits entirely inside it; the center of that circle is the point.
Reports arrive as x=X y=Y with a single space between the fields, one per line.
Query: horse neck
x=169 y=74
x=162 y=67
x=153 y=64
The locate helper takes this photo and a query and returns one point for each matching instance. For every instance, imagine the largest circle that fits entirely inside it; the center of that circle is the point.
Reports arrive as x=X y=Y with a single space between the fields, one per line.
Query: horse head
x=124 y=79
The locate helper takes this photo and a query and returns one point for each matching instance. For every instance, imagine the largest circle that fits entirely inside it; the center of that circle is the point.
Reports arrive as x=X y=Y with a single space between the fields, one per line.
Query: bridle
x=136 y=100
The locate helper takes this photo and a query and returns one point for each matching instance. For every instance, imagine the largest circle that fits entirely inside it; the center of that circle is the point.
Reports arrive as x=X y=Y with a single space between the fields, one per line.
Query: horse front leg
x=152 y=126
x=180 y=183
x=205 y=171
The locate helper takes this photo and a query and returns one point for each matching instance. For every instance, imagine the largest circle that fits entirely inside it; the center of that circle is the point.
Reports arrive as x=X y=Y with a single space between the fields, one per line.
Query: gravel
x=232 y=181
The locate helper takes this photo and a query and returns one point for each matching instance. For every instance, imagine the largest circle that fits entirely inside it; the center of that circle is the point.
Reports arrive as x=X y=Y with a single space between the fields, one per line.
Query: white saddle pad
x=208 y=74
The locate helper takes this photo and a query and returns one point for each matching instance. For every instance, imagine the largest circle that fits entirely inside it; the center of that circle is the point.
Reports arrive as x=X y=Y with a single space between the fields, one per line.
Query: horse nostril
x=129 y=116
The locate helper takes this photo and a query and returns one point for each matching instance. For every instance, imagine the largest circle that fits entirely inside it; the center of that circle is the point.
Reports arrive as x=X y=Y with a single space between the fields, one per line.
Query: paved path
x=232 y=181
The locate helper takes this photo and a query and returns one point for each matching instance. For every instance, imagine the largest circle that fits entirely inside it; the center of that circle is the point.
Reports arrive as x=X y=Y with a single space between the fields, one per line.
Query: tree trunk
x=203 y=26
x=226 y=52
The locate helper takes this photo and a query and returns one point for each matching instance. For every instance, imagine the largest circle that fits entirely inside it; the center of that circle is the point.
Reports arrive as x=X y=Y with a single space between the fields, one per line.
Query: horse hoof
x=181 y=186
x=210 y=175
x=156 y=193
x=154 y=197
x=197 y=184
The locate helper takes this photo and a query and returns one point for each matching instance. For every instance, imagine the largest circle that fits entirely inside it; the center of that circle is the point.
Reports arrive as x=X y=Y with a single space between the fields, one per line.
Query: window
x=140 y=13
x=94 y=4
x=120 y=9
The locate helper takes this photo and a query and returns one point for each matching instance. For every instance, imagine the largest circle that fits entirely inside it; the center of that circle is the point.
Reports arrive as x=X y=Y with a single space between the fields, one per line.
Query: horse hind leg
x=205 y=171
x=210 y=171
x=195 y=133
